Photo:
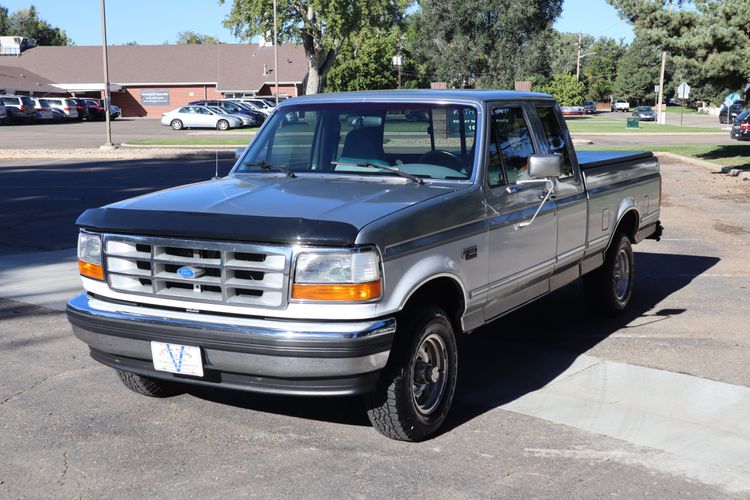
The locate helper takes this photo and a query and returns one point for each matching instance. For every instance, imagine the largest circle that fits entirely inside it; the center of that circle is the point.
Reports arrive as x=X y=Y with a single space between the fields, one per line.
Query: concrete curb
x=713 y=167
x=127 y=153
x=648 y=134
x=190 y=147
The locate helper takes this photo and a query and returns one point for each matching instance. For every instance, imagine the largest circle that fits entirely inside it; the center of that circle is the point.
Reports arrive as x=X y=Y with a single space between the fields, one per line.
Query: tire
x=609 y=288
x=176 y=124
x=416 y=389
x=222 y=125
x=148 y=386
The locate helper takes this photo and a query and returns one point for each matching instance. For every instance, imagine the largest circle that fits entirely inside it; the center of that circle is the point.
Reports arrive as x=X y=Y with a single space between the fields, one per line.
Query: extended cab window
x=556 y=142
x=512 y=138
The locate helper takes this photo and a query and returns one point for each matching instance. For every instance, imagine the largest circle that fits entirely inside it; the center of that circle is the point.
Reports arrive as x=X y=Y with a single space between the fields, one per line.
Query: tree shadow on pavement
x=515 y=355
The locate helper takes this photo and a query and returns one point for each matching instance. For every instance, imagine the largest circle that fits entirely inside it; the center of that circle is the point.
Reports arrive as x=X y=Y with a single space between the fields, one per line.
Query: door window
x=556 y=142
x=512 y=138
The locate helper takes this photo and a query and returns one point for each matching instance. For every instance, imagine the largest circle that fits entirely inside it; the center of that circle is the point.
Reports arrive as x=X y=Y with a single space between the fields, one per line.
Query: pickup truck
x=621 y=105
x=357 y=236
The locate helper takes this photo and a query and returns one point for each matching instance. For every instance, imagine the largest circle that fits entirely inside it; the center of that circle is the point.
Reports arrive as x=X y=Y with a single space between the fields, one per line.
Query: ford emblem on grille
x=190 y=272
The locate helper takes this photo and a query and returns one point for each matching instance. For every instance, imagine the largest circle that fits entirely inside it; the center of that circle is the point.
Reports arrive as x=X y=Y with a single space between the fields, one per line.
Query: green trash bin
x=634 y=122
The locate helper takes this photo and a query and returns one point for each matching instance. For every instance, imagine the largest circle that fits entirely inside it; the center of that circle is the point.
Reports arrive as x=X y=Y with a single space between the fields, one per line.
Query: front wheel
x=176 y=124
x=147 y=386
x=222 y=125
x=416 y=390
x=608 y=289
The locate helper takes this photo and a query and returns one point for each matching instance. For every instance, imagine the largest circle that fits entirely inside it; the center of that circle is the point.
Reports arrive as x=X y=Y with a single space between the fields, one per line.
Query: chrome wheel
x=621 y=275
x=223 y=125
x=430 y=373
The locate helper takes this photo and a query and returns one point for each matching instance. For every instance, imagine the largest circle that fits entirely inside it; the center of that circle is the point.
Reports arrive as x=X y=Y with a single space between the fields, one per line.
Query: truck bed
x=592 y=159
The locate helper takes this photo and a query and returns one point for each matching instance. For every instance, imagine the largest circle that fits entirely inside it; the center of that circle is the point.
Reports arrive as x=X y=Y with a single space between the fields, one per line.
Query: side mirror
x=543 y=166
x=238 y=153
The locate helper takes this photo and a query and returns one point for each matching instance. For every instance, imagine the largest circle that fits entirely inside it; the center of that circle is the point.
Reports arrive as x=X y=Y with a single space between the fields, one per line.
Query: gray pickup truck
x=355 y=238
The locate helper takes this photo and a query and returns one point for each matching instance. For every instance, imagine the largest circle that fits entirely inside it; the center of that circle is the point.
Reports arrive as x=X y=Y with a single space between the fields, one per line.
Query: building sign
x=155 y=97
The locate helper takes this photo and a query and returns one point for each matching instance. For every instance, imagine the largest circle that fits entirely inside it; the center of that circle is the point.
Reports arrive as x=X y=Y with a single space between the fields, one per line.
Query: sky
x=153 y=22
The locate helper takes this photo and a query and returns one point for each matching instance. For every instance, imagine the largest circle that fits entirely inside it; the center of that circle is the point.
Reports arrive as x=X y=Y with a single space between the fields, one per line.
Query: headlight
x=90 y=256
x=339 y=276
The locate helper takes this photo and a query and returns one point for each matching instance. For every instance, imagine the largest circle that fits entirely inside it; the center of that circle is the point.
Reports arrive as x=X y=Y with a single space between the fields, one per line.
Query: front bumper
x=271 y=356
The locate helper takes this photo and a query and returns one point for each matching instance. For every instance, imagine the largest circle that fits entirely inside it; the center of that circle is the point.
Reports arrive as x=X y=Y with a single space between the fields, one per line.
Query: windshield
x=644 y=108
x=433 y=141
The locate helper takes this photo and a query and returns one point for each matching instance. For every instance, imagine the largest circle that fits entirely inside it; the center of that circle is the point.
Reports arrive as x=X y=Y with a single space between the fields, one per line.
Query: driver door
x=521 y=260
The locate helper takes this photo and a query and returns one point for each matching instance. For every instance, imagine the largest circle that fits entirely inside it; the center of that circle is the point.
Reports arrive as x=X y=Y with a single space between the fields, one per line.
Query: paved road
x=552 y=402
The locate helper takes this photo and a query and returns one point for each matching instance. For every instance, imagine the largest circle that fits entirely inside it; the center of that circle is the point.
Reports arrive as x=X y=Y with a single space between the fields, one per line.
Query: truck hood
x=312 y=209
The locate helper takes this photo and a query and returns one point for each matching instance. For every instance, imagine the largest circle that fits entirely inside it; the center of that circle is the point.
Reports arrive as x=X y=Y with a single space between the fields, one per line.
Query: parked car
x=114 y=112
x=262 y=104
x=252 y=104
x=199 y=117
x=251 y=118
x=65 y=105
x=43 y=111
x=589 y=107
x=727 y=115
x=620 y=105
x=95 y=110
x=18 y=108
x=340 y=257
x=247 y=120
x=81 y=107
x=3 y=112
x=573 y=110
x=645 y=113
x=741 y=127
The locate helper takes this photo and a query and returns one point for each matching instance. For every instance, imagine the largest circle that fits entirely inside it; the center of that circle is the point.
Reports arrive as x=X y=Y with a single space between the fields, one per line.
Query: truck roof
x=477 y=96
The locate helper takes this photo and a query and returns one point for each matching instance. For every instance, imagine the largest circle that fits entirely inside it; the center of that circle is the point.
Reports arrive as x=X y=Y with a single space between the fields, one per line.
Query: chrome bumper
x=289 y=357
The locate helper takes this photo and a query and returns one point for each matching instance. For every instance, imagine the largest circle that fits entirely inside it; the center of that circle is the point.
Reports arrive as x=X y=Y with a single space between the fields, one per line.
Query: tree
x=4 y=21
x=564 y=51
x=566 y=88
x=323 y=26
x=600 y=68
x=486 y=43
x=638 y=73
x=710 y=41
x=193 y=38
x=26 y=22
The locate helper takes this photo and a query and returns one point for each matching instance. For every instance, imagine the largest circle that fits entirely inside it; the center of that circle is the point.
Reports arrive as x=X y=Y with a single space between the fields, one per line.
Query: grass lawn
x=601 y=126
x=734 y=155
x=239 y=140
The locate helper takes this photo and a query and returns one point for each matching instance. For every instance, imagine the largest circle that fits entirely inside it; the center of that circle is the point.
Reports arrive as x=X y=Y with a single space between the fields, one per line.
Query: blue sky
x=156 y=21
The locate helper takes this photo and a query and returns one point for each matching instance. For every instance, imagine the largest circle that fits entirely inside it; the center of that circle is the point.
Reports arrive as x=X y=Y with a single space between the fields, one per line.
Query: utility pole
x=275 y=51
x=660 y=99
x=108 y=144
x=578 y=59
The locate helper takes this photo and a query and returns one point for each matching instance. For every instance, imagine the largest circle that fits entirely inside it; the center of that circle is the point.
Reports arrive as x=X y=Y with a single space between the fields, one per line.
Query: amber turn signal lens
x=89 y=270
x=358 y=292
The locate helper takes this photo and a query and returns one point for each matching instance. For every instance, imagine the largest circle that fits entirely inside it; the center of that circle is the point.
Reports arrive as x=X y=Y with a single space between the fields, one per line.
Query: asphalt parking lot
x=552 y=402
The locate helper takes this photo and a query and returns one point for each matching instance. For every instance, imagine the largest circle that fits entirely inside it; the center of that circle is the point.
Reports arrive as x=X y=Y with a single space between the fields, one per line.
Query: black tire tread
x=147 y=386
x=388 y=408
x=597 y=285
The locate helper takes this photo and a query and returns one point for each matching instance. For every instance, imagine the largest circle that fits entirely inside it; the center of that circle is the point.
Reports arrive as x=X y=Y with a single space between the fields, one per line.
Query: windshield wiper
x=264 y=165
x=395 y=170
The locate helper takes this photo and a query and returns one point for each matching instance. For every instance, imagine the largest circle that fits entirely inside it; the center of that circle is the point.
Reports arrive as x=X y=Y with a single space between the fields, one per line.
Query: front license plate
x=176 y=358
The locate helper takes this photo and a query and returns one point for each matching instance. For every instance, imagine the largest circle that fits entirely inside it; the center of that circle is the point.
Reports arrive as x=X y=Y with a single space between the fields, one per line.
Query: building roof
x=17 y=79
x=232 y=67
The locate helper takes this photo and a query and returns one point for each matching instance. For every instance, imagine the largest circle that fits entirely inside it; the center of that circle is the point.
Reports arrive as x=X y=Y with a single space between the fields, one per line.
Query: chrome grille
x=227 y=273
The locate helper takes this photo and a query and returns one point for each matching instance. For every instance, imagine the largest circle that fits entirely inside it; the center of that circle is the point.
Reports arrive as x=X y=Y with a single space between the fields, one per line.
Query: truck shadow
x=515 y=355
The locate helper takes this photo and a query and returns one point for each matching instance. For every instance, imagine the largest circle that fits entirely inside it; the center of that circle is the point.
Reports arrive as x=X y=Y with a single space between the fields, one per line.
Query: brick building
x=147 y=80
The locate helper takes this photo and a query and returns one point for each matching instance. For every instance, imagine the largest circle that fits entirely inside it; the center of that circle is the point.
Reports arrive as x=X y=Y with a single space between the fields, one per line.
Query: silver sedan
x=199 y=117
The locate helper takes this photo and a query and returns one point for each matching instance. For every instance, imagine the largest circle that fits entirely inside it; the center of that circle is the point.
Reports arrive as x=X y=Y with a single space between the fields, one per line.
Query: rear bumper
x=300 y=358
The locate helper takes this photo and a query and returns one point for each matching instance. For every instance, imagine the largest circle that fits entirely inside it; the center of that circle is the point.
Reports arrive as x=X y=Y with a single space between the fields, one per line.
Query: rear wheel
x=176 y=124
x=222 y=125
x=416 y=390
x=608 y=289
x=148 y=386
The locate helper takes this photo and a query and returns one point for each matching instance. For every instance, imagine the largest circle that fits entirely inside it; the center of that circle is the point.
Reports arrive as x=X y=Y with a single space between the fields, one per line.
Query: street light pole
x=275 y=52
x=107 y=144
x=660 y=99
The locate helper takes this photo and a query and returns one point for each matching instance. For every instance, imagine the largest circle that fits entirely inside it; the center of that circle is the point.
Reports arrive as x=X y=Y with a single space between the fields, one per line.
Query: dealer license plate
x=176 y=358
